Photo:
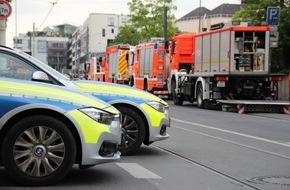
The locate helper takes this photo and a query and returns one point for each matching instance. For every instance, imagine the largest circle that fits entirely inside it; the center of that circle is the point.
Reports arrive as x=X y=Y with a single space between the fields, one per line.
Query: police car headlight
x=99 y=115
x=158 y=106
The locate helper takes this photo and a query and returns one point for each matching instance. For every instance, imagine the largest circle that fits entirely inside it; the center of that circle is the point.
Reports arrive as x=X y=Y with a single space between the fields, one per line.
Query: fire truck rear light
x=221 y=78
x=276 y=78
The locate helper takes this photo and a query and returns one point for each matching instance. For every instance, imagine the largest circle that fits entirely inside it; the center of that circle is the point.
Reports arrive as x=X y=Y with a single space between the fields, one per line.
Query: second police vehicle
x=145 y=117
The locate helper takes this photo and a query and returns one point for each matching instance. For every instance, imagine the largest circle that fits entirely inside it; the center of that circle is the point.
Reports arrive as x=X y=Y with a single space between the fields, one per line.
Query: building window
x=103 y=32
x=123 y=20
x=17 y=41
x=110 y=21
x=112 y=31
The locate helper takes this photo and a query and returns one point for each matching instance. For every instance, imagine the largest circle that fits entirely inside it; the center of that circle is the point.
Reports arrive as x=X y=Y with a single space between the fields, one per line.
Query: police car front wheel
x=133 y=131
x=38 y=150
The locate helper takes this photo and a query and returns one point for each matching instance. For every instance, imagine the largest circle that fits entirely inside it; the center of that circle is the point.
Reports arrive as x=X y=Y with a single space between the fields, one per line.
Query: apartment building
x=47 y=46
x=50 y=50
x=92 y=38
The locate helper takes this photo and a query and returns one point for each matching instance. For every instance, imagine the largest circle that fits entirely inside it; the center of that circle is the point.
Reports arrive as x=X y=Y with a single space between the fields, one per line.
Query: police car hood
x=105 y=88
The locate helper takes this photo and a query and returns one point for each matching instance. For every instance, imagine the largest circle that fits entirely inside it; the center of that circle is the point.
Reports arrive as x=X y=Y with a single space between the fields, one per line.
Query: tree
x=255 y=11
x=281 y=56
x=146 y=19
x=36 y=33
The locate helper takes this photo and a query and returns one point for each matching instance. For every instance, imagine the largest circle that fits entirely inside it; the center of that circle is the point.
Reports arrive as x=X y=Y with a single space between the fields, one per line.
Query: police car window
x=11 y=67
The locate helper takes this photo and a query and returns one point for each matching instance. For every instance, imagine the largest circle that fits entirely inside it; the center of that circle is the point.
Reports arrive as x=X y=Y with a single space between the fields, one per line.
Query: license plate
x=221 y=84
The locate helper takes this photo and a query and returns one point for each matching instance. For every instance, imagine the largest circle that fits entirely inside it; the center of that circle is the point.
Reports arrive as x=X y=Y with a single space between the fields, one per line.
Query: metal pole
x=33 y=39
x=58 y=68
x=165 y=27
x=3 y=32
x=199 y=13
x=16 y=19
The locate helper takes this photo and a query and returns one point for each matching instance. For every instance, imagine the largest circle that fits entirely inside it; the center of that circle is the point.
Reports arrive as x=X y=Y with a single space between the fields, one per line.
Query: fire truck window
x=174 y=47
x=11 y=67
x=127 y=57
x=98 y=64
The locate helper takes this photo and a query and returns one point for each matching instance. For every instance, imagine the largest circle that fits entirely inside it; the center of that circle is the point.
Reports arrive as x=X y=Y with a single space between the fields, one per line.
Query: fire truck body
x=96 y=69
x=117 y=60
x=229 y=63
x=149 y=71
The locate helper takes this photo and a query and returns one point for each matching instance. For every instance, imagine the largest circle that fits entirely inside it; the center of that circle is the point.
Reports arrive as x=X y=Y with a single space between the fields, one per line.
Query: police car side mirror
x=40 y=76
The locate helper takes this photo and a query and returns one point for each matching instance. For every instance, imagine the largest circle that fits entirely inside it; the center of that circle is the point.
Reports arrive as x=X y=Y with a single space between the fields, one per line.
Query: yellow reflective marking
x=155 y=117
x=122 y=62
x=91 y=129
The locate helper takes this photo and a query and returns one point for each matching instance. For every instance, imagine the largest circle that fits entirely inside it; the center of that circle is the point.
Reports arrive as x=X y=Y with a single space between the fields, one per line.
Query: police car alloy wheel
x=38 y=150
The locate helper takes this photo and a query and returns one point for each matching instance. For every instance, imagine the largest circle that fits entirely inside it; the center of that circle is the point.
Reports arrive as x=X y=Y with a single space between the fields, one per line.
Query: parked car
x=45 y=129
x=145 y=117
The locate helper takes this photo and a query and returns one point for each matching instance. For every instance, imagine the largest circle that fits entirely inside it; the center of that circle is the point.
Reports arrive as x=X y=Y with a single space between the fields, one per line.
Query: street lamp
x=199 y=15
x=57 y=55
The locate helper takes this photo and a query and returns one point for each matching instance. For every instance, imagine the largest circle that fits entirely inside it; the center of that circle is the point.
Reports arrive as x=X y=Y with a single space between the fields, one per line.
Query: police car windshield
x=46 y=67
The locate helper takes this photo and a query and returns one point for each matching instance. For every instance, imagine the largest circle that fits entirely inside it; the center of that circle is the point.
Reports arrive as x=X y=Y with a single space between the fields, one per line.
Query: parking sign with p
x=273 y=14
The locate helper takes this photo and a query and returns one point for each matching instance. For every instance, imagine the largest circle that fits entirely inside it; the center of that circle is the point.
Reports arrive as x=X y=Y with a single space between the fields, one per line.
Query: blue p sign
x=273 y=14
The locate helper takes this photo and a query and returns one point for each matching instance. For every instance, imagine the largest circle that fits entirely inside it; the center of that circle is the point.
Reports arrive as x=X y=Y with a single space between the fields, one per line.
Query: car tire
x=133 y=131
x=131 y=82
x=38 y=150
x=199 y=96
x=177 y=99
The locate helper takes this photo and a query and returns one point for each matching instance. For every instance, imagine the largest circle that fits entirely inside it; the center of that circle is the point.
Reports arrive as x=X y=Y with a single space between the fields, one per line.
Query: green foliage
x=36 y=33
x=280 y=55
x=146 y=19
x=256 y=11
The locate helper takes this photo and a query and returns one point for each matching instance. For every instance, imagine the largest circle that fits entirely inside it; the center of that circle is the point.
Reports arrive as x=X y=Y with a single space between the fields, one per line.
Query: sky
x=49 y=13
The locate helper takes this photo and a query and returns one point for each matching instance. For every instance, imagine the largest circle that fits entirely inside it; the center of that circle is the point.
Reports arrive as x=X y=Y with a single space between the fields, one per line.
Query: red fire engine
x=113 y=67
x=149 y=69
x=117 y=63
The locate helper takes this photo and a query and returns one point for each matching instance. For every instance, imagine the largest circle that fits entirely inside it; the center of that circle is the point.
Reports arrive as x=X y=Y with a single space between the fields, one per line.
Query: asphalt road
x=207 y=150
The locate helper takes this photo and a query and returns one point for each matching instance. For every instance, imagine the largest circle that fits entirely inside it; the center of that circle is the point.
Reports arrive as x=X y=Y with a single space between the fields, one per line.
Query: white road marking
x=232 y=132
x=138 y=171
x=232 y=142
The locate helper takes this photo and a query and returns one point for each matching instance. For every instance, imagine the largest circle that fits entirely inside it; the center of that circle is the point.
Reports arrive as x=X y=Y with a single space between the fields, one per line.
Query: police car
x=145 y=117
x=45 y=129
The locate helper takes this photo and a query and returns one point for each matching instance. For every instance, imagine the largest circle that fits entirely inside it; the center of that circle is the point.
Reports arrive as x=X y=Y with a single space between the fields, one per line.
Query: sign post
x=273 y=14
x=5 y=9
x=5 y=12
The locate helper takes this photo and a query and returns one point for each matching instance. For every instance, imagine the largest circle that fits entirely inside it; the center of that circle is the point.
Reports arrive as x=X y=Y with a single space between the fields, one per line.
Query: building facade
x=202 y=18
x=50 y=50
x=92 y=38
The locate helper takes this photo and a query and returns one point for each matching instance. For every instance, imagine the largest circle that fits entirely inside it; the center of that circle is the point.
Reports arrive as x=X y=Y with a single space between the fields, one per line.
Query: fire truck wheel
x=133 y=131
x=177 y=99
x=199 y=96
x=145 y=86
x=131 y=82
